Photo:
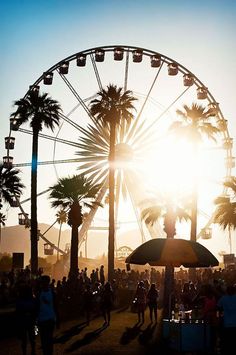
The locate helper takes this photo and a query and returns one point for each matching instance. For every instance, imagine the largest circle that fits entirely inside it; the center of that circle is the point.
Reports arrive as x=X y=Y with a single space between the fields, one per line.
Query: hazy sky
x=37 y=34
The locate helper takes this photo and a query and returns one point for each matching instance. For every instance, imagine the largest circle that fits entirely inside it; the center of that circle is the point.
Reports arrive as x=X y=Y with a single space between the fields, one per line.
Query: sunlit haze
x=199 y=35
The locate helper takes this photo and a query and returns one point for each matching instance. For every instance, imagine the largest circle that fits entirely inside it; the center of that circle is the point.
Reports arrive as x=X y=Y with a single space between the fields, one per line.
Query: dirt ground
x=122 y=336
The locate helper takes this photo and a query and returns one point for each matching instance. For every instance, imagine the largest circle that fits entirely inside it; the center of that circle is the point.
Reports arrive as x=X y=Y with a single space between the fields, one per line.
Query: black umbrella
x=172 y=252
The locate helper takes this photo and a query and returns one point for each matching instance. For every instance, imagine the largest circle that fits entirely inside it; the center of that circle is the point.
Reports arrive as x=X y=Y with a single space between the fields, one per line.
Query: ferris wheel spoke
x=39 y=194
x=75 y=93
x=134 y=126
x=149 y=129
x=45 y=136
x=148 y=95
x=99 y=178
x=48 y=162
x=134 y=205
x=95 y=139
x=91 y=167
x=96 y=71
x=86 y=224
x=126 y=70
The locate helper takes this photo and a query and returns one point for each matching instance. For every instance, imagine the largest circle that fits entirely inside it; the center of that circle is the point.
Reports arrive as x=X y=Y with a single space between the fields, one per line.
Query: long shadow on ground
x=147 y=334
x=87 y=339
x=68 y=334
x=130 y=334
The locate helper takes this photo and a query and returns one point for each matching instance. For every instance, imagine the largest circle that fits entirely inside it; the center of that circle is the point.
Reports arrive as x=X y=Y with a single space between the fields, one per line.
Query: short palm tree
x=73 y=193
x=2 y=224
x=61 y=218
x=225 y=214
x=40 y=110
x=112 y=107
x=166 y=210
x=196 y=122
x=10 y=185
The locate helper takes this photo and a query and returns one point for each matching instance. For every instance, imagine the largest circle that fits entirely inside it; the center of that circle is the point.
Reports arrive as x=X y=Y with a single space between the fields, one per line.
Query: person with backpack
x=47 y=314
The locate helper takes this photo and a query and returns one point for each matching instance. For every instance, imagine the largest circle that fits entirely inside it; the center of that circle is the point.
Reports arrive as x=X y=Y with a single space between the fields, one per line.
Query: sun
x=170 y=168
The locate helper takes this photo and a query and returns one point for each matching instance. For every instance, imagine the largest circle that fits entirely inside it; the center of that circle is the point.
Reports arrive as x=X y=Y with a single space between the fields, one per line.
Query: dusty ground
x=123 y=336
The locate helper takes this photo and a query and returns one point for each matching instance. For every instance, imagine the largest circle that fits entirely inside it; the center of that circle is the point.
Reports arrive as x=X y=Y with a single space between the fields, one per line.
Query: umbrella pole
x=168 y=291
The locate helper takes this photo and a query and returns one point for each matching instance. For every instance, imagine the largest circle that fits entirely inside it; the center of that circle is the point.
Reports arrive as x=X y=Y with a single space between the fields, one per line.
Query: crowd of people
x=39 y=300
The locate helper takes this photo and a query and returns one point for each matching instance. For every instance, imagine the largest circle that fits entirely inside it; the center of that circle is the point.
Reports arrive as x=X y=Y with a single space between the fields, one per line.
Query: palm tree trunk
x=169 y=228
x=34 y=222
x=74 y=252
x=111 y=236
x=230 y=240
x=58 y=243
x=193 y=232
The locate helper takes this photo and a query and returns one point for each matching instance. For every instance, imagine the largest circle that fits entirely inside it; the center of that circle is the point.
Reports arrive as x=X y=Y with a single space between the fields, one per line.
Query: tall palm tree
x=61 y=218
x=73 y=193
x=112 y=107
x=196 y=122
x=40 y=110
x=225 y=214
x=170 y=215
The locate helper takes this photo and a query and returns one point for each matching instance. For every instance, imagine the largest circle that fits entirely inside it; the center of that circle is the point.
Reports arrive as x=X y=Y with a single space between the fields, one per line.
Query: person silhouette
x=102 y=275
x=140 y=296
x=107 y=299
x=26 y=317
x=152 y=297
x=47 y=314
x=227 y=304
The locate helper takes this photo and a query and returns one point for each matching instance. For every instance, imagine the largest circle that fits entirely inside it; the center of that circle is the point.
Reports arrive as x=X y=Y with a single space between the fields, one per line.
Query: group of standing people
x=37 y=312
x=143 y=298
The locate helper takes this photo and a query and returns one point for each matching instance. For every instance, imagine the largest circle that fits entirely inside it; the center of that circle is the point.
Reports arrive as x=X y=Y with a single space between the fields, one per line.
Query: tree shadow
x=69 y=333
x=87 y=339
x=130 y=334
x=147 y=334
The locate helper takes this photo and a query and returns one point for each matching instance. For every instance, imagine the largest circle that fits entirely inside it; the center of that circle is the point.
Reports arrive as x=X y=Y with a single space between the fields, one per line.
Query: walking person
x=227 y=304
x=140 y=296
x=107 y=299
x=152 y=298
x=26 y=317
x=88 y=302
x=47 y=315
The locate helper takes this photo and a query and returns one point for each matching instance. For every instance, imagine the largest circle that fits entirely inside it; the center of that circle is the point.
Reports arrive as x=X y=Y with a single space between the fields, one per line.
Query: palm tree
x=61 y=218
x=2 y=224
x=112 y=107
x=225 y=214
x=170 y=215
x=10 y=185
x=73 y=193
x=196 y=122
x=40 y=110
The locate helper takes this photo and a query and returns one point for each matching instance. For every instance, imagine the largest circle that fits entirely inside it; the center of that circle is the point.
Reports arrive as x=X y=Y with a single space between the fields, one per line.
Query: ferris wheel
x=161 y=86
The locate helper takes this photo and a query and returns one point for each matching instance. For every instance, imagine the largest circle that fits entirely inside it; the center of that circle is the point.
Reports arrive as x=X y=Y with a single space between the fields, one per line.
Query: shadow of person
x=130 y=334
x=69 y=333
x=87 y=339
x=147 y=334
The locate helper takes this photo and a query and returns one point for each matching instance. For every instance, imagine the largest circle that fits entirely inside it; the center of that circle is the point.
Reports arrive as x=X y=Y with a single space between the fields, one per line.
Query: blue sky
x=37 y=34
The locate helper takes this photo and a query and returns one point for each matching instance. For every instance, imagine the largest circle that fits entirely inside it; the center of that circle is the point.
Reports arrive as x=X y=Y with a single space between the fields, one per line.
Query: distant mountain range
x=17 y=239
